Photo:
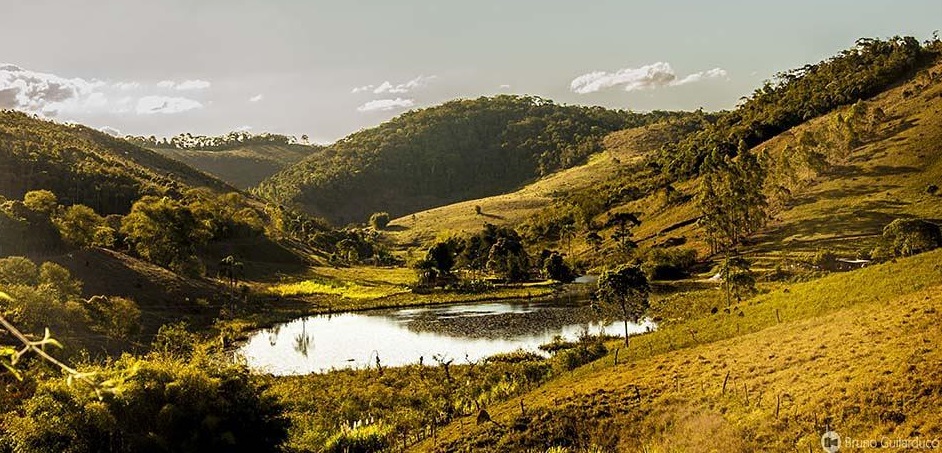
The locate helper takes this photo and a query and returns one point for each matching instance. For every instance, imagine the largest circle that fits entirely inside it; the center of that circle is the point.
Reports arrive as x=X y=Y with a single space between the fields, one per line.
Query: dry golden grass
x=857 y=352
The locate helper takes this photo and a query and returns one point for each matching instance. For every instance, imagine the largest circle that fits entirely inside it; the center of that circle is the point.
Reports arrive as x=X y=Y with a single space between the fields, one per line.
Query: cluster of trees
x=459 y=150
x=497 y=251
x=231 y=140
x=796 y=96
x=906 y=237
x=47 y=296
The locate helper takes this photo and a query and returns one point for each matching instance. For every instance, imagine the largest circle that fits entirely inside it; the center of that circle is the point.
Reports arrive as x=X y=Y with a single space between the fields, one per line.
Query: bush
x=159 y=404
x=905 y=237
x=668 y=264
x=362 y=439
x=42 y=201
x=78 y=224
x=379 y=220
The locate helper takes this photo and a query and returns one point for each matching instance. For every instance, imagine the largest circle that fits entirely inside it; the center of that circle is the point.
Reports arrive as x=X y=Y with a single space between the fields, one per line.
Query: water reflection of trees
x=303 y=341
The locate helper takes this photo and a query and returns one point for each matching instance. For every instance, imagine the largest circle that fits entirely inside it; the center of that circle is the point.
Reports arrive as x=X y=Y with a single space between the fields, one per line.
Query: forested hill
x=84 y=166
x=459 y=150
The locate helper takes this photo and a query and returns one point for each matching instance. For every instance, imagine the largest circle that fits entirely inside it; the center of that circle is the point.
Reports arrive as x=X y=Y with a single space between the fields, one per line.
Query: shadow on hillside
x=866 y=221
x=395 y=228
x=839 y=193
x=848 y=171
x=492 y=216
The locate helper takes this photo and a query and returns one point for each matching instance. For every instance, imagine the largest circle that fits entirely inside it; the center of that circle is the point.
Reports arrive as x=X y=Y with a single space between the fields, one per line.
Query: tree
x=733 y=204
x=166 y=233
x=41 y=201
x=738 y=277
x=508 y=259
x=379 y=220
x=624 y=291
x=78 y=225
x=905 y=237
x=555 y=267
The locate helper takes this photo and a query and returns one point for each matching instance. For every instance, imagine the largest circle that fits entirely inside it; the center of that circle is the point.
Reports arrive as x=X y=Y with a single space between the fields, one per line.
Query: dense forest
x=459 y=150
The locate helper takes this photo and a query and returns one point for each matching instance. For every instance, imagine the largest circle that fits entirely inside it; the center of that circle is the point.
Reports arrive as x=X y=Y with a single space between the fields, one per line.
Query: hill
x=243 y=166
x=858 y=185
x=84 y=166
x=459 y=150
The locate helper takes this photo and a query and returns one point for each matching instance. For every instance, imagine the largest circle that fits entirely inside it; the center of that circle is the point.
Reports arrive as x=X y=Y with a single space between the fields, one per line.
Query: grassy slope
x=843 y=210
x=243 y=167
x=513 y=207
x=857 y=351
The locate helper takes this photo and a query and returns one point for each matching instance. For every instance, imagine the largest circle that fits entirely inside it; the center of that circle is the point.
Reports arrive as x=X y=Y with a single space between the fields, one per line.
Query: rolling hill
x=841 y=207
x=84 y=166
x=456 y=151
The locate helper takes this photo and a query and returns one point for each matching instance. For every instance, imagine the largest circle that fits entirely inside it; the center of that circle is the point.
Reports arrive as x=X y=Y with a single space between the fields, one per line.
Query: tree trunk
x=626 y=332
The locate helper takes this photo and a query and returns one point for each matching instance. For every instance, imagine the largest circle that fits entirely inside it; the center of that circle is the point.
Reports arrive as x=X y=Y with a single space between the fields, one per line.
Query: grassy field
x=856 y=352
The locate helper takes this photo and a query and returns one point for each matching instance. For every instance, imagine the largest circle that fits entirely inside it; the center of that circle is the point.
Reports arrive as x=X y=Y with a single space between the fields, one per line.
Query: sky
x=329 y=68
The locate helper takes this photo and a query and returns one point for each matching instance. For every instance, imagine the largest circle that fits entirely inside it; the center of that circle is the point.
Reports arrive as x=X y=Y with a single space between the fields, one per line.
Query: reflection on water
x=416 y=335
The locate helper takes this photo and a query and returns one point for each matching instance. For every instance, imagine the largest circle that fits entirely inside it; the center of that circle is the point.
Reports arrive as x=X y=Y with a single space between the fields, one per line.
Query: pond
x=463 y=332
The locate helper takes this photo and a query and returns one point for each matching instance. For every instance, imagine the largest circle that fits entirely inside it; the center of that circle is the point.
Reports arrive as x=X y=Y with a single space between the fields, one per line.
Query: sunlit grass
x=346 y=290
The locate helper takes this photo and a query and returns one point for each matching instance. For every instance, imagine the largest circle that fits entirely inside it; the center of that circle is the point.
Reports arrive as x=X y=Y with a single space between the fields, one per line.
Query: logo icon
x=831 y=442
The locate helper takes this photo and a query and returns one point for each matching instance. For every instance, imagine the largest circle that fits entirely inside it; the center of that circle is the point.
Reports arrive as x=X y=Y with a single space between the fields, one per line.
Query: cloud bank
x=647 y=77
x=46 y=94
x=382 y=105
x=51 y=95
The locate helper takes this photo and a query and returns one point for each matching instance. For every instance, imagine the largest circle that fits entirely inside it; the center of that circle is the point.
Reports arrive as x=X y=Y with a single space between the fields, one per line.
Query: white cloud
x=47 y=94
x=389 y=87
x=110 y=131
x=193 y=85
x=164 y=104
x=386 y=104
x=647 y=77
x=702 y=75
x=127 y=86
x=243 y=129
x=256 y=98
x=505 y=87
x=51 y=95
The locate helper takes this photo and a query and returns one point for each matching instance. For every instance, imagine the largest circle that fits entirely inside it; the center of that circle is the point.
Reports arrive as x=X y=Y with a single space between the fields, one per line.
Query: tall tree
x=624 y=291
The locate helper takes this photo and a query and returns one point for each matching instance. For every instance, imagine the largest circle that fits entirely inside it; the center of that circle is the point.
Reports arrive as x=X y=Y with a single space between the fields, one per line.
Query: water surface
x=463 y=332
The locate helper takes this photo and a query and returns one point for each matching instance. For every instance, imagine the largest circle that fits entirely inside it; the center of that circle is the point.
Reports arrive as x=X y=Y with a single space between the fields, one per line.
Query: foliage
x=796 y=96
x=231 y=140
x=83 y=166
x=668 y=264
x=459 y=150
x=905 y=237
x=117 y=317
x=79 y=225
x=43 y=201
x=732 y=201
x=379 y=220
x=23 y=230
x=165 y=232
x=555 y=268
x=623 y=291
x=162 y=404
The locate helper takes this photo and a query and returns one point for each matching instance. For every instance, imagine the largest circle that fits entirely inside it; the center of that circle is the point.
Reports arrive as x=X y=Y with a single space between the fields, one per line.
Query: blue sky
x=167 y=66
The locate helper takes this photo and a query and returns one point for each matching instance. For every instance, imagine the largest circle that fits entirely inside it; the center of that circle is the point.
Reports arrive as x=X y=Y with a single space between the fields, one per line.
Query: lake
x=463 y=332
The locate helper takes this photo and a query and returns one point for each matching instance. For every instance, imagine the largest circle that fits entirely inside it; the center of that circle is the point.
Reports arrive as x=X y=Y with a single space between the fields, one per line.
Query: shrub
x=379 y=220
x=905 y=237
x=159 y=404
x=78 y=225
x=361 y=439
x=668 y=264
x=42 y=201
